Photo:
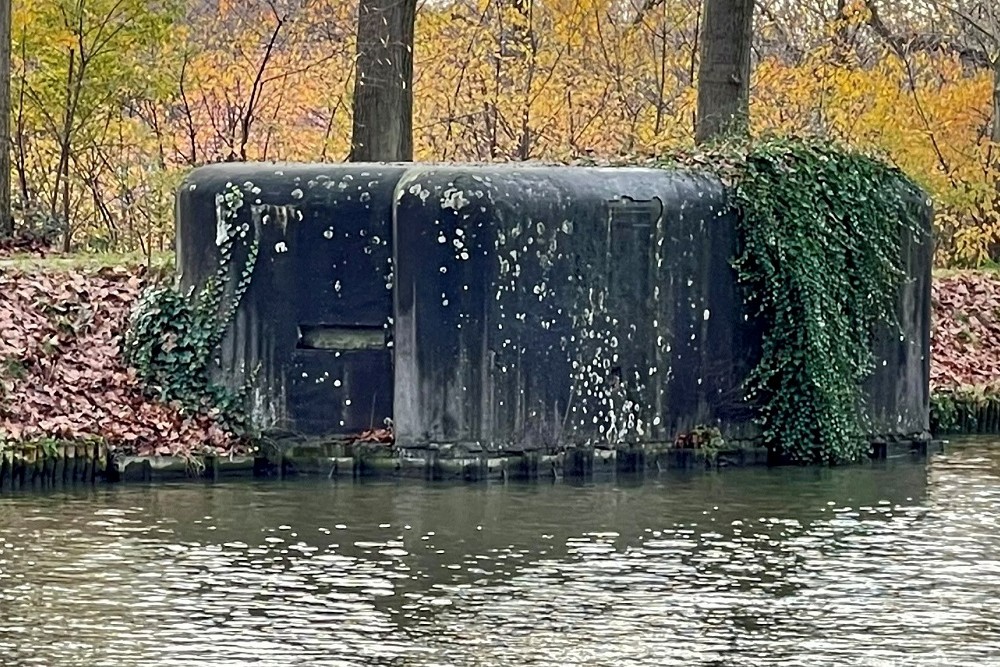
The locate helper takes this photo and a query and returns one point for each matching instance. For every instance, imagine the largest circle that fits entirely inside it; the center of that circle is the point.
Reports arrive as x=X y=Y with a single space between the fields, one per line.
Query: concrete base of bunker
x=581 y=463
x=163 y=468
x=512 y=321
x=457 y=463
x=68 y=465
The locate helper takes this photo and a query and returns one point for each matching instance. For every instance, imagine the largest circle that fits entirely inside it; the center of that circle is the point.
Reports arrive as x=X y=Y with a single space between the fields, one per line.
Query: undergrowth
x=172 y=337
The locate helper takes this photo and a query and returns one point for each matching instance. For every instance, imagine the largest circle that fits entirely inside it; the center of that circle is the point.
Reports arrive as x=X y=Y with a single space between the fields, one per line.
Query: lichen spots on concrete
x=418 y=191
x=454 y=198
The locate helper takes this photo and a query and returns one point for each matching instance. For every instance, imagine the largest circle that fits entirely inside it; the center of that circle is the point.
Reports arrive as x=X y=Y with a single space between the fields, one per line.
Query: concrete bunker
x=312 y=335
x=501 y=307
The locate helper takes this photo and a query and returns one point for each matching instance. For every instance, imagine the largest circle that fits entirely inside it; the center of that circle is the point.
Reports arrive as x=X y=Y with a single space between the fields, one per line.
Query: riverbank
x=62 y=381
x=62 y=384
x=965 y=353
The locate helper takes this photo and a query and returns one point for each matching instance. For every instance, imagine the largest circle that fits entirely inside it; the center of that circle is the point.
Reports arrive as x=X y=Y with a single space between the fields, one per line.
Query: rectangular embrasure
x=323 y=337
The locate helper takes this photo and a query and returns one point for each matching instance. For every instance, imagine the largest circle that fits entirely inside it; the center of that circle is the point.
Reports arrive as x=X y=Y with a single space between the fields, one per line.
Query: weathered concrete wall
x=590 y=305
x=899 y=389
x=312 y=334
x=534 y=307
x=545 y=307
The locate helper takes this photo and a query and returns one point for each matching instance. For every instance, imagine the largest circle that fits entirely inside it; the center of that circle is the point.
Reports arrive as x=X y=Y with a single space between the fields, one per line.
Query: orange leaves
x=60 y=373
x=494 y=80
x=965 y=339
x=551 y=80
x=378 y=435
x=288 y=102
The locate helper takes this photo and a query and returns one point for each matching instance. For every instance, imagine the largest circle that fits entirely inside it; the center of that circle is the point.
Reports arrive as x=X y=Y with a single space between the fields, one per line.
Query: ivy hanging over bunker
x=820 y=261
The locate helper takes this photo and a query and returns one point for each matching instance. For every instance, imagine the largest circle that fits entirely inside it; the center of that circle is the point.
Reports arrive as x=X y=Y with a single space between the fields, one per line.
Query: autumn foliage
x=965 y=340
x=114 y=99
x=62 y=378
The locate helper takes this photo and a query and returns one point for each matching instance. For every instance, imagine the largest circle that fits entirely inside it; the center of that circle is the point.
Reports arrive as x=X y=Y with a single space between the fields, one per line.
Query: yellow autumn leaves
x=493 y=80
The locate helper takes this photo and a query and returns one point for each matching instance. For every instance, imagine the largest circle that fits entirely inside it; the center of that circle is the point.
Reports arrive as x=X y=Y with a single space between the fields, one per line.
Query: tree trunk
x=6 y=219
x=724 y=69
x=383 y=82
x=993 y=156
x=995 y=130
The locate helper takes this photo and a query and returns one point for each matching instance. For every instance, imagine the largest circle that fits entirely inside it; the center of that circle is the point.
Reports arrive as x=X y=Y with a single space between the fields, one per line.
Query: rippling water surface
x=895 y=564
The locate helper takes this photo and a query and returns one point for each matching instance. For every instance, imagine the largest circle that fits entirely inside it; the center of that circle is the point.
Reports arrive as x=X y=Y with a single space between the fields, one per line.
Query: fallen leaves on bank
x=61 y=376
x=965 y=332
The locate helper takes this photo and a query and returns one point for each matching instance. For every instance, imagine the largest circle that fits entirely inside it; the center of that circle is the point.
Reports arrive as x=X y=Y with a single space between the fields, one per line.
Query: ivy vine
x=172 y=337
x=820 y=259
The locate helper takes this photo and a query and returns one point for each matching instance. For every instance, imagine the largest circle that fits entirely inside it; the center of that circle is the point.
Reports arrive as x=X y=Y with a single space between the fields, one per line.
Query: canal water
x=889 y=564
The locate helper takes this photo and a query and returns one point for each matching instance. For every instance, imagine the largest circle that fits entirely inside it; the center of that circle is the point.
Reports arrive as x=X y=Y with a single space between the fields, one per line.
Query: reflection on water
x=894 y=564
